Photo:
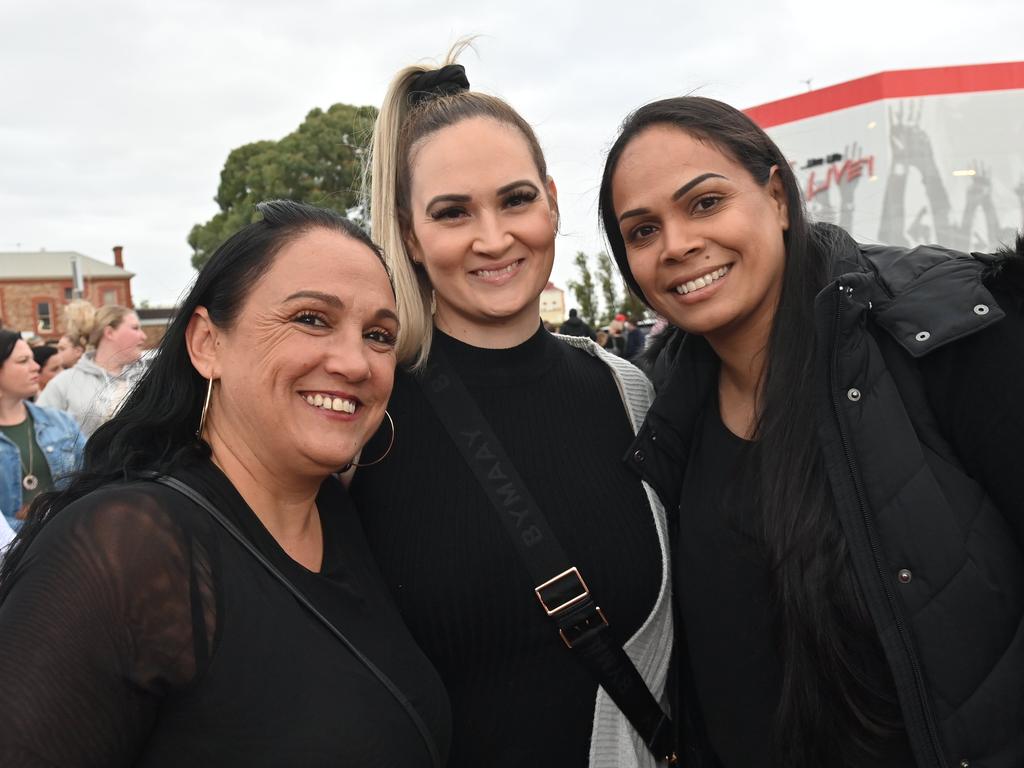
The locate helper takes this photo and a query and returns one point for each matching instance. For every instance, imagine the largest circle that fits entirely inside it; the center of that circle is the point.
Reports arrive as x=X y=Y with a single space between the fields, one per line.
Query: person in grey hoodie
x=95 y=387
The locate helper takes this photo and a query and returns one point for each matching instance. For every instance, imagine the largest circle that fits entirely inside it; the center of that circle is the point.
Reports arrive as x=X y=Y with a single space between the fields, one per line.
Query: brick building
x=35 y=287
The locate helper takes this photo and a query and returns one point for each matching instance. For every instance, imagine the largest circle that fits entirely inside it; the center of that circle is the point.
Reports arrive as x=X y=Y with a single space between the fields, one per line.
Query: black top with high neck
x=518 y=696
x=138 y=632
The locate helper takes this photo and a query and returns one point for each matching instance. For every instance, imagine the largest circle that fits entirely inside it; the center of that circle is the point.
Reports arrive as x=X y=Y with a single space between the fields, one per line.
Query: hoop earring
x=352 y=464
x=206 y=407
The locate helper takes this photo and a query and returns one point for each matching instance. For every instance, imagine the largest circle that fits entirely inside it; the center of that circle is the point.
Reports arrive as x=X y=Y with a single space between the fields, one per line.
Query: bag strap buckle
x=561 y=588
x=554 y=586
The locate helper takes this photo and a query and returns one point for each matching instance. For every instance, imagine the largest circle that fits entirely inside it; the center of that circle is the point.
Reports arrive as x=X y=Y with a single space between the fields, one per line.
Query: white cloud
x=117 y=116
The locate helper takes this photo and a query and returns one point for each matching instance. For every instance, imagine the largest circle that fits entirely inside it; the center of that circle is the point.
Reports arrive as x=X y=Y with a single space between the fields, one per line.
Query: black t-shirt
x=723 y=589
x=519 y=697
x=139 y=633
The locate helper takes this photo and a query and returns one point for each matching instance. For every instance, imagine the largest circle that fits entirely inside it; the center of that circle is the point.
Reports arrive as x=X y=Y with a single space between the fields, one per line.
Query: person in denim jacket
x=39 y=447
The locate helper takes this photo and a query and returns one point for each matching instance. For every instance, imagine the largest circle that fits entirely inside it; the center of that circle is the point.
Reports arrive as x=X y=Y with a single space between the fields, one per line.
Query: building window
x=44 y=320
x=69 y=294
x=110 y=296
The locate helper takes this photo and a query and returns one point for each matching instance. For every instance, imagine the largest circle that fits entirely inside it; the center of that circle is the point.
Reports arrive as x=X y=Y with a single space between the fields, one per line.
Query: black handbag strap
x=197 y=498
x=561 y=590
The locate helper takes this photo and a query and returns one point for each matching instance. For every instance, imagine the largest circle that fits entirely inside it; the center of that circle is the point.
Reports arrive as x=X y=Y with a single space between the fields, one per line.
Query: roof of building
x=155 y=315
x=54 y=265
x=552 y=287
x=893 y=84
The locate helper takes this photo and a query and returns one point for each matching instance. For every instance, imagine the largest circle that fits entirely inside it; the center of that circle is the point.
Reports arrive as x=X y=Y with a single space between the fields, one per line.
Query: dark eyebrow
x=677 y=194
x=448 y=199
x=693 y=183
x=514 y=184
x=386 y=314
x=333 y=301
x=327 y=298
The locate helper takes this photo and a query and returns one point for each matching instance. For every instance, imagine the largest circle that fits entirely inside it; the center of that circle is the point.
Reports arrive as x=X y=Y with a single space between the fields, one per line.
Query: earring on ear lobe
x=351 y=464
x=206 y=407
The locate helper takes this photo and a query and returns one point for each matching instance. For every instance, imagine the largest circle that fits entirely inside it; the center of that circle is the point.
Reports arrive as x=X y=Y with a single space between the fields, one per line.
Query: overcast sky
x=116 y=117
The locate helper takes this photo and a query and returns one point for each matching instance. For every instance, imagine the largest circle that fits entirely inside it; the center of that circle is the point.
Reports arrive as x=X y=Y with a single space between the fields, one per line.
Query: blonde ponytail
x=399 y=128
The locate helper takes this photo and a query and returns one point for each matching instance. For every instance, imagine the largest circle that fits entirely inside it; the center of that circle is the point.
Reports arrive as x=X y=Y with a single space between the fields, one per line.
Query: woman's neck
x=107 y=360
x=743 y=361
x=285 y=504
x=12 y=410
x=503 y=333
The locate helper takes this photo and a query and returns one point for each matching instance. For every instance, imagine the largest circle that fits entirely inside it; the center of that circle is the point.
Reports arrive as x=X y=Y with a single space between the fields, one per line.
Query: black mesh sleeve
x=112 y=607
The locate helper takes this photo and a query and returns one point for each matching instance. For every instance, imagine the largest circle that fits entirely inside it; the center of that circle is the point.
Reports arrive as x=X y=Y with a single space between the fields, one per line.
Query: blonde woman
x=467 y=215
x=95 y=387
x=71 y=346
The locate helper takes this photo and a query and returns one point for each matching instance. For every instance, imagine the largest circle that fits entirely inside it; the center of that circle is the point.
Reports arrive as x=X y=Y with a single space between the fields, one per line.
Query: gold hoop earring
x=351 y=464
x=206 y=407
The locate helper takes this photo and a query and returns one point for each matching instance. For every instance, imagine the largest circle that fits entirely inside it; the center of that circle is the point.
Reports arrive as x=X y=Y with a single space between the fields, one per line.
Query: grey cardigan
x=614 y=743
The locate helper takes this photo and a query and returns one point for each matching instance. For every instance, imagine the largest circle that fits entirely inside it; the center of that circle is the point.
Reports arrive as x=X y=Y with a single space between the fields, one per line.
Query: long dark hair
x=827 y=702
x=155 y=429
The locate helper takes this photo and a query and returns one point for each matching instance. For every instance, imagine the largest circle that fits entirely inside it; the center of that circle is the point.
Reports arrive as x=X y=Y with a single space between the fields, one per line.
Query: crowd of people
x=362 y=507
x=52 y=397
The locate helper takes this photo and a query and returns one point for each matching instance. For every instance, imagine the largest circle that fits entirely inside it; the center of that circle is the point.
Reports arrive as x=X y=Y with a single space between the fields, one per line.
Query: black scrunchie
x=445 y=81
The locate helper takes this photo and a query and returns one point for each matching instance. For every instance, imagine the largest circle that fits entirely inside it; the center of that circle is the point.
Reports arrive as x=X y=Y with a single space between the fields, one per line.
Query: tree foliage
x=609 y=288
x=610 y=281
x=318 y=163
x=584 y=289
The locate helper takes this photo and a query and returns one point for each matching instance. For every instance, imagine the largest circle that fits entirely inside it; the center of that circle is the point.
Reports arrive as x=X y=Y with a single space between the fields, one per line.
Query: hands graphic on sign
x=852 y=153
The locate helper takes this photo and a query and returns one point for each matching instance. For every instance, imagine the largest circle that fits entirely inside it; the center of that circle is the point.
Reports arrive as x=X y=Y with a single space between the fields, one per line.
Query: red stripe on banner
x=899 y=84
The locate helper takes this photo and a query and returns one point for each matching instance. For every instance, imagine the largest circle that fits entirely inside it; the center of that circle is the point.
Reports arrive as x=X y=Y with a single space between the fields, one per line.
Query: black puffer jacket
x=941 y=568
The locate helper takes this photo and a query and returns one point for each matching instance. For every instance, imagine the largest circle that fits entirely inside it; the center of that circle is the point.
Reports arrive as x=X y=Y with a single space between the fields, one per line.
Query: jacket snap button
x=964 y=764
x=639 y=456
x=923 y=336
x=853 y=394
x=981 y=309
x=904 y=576
x=49 y=449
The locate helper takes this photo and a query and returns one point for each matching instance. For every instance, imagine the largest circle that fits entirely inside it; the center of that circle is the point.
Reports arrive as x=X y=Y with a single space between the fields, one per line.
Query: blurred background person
x=48 y=359
x=39 y=446
x=77 y=314
x=634 y=343
x=575 y=326
x=95 y=387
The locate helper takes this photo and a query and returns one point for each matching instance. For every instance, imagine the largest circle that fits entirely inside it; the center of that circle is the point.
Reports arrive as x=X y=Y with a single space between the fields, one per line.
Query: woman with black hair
x=39 y=447
x=838 y=431
x=48 y=359
x=180 y=602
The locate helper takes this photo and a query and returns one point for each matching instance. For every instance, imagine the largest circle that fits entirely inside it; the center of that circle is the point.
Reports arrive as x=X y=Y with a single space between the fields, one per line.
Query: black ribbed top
x=518 y=696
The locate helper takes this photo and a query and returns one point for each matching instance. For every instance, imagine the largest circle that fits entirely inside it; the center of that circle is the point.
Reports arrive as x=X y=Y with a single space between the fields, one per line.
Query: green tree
x=610 y=281
x=320 y=163
x=583 y=289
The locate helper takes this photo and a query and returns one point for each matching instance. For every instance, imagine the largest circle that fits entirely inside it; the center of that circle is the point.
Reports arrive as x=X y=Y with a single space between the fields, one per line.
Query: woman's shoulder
x=52 y=415
x=128 y=529
x=625 y=372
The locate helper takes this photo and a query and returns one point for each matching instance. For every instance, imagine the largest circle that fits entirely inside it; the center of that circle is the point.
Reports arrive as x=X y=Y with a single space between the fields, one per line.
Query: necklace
x=30 y=482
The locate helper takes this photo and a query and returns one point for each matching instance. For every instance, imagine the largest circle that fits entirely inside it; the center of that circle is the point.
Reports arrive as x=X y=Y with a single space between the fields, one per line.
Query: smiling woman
x=206 y=557
x=467 y=216
x=837 y=435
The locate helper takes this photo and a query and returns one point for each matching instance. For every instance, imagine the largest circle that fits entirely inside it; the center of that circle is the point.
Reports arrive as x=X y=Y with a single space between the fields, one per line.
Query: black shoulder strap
x=561 y=590
x=197 y=498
